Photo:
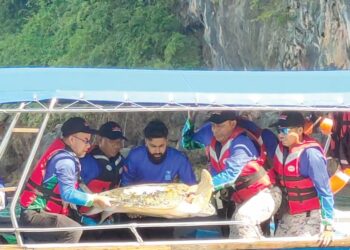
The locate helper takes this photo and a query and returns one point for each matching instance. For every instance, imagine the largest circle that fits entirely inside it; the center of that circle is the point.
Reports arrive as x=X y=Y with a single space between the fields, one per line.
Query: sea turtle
x=161 y=200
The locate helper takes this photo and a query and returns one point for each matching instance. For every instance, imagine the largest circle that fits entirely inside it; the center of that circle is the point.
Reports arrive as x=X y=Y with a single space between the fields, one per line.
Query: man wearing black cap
x=102 y=166
x=236 y=162
x=301 y=171
x=53 y=184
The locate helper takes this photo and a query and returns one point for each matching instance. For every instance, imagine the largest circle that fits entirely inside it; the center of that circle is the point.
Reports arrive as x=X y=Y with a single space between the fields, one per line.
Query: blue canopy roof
x=229 y=88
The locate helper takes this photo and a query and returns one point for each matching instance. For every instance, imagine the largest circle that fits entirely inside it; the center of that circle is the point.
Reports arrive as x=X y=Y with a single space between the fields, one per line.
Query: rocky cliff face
x=283 y=34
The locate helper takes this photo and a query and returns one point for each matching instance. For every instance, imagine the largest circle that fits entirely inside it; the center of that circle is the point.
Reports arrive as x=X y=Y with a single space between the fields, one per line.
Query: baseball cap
x=223 y=116
x=75 y=125
x=289 y=119
x=111 y=130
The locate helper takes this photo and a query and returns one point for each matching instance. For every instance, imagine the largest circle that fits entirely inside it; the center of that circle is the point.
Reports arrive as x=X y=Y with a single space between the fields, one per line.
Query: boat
x=49 y=91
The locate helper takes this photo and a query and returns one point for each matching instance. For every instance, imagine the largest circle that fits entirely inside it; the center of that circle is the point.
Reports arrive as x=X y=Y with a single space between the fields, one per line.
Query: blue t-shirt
x=140 y=169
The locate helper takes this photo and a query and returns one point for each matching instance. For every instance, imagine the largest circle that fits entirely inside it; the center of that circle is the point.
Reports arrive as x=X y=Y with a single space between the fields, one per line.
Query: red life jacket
x=253 y=177
x=109 y=172
x=34 y=187
x=300 y=190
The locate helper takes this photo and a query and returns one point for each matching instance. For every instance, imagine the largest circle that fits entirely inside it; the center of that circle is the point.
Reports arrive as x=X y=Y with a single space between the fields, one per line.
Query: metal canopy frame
x=88 y=106
x=68 y=101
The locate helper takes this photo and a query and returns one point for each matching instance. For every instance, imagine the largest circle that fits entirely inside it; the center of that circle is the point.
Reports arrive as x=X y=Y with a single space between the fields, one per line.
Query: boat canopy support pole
x=9 y=131
x=25 y=173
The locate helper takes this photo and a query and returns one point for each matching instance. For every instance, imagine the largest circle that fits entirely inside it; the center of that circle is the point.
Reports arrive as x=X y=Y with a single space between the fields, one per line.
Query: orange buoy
x=338 y=181
x=326 y=126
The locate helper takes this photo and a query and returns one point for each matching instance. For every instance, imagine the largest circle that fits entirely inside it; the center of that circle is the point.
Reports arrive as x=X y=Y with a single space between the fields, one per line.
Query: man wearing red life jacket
x=236 y=160
x=53 y=185
x=101 y=170
x=301 y=171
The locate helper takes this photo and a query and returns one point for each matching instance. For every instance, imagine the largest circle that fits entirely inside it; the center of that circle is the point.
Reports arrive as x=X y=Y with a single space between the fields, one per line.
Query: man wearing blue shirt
x=156 y=162
x=301 y=171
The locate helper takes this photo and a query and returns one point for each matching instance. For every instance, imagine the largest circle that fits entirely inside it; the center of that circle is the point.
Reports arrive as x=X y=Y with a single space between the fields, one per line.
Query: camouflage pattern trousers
x=304 y=224
x=254 y=211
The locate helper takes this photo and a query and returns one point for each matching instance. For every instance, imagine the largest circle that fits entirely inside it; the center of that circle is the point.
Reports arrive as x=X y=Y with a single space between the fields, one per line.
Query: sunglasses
x=87 y=142
x=283 y=130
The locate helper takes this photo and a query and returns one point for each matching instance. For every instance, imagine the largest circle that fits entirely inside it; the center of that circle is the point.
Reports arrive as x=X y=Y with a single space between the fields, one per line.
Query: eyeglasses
x=87 y=142
x=283 y=130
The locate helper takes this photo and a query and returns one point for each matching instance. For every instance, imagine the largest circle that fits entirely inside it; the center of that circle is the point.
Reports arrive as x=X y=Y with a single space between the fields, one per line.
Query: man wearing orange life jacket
x=53 y=185
x=236 y=161
x=301 y=171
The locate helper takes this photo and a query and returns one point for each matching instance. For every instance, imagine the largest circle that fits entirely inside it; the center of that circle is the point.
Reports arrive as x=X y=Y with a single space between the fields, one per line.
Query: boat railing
x=133 y=227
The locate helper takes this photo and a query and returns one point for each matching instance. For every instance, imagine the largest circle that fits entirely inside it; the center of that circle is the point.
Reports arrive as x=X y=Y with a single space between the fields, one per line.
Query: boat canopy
x=264 y=90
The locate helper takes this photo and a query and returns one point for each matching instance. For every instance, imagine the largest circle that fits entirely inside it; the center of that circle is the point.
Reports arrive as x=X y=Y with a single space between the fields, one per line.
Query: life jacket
x=340 y=144
x=253 y=177
x=340 y=149
x=34 y=189
x=299 y=190
x=109 y=177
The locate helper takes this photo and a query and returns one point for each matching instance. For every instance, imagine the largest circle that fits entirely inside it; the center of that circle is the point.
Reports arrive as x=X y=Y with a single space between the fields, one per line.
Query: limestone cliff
x=274 y=34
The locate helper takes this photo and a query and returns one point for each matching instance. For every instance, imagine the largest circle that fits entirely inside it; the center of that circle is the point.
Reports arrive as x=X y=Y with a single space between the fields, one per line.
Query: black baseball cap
x=226 y=115
x=75 y=125
x=289 y=119
x=111 y=130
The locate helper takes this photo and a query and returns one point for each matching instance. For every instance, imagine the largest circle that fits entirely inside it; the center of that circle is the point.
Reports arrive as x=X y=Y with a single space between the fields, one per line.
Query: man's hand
x=326 y=236
x=191 y=192
x=102 y=201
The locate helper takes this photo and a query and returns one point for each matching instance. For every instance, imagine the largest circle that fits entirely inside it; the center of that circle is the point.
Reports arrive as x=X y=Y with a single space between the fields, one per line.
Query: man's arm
x=129 y=173
x=89 y=169
x=242 y=151
x=195 y=140
x=186 y=173
x=66 y=177
x=314 y=165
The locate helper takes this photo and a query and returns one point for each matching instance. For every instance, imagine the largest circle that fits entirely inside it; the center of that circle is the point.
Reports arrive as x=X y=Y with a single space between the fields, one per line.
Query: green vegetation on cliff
x=110 y=33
